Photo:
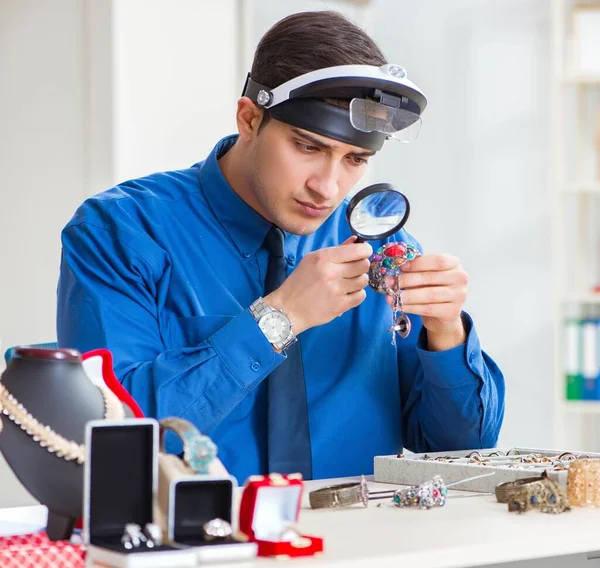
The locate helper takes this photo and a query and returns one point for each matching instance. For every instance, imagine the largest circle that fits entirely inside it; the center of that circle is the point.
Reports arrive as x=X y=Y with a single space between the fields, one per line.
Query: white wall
x=42 y=150
x=42 y=142
x=176 y=82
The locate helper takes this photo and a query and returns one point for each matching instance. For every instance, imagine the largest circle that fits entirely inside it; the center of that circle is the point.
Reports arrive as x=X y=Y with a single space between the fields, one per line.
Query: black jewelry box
x=120 y=484
x=196 y=500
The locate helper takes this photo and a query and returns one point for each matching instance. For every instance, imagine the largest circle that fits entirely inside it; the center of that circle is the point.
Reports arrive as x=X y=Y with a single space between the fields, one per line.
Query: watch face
x=275 y=326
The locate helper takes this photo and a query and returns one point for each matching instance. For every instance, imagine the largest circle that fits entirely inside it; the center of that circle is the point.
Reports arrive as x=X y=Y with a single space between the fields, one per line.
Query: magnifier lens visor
x=370 y=116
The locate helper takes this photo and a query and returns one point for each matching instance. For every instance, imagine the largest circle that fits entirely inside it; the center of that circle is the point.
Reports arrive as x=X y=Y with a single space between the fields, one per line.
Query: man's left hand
x=434 y=286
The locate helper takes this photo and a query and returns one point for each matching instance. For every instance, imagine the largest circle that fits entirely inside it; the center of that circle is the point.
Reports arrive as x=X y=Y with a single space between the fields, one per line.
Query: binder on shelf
x=573 y=376
x=589 y=358
x=597 y=393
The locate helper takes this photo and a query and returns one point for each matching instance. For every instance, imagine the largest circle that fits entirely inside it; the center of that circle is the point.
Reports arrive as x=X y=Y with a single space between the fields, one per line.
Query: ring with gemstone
x=430 y=494
x=217 y=529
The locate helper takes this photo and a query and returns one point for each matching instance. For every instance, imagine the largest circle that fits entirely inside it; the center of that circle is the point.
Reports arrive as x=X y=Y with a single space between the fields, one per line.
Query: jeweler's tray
x=413 y=469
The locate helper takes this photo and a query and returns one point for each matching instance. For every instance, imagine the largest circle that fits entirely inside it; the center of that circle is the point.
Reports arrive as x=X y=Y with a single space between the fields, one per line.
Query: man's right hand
x=325 y=284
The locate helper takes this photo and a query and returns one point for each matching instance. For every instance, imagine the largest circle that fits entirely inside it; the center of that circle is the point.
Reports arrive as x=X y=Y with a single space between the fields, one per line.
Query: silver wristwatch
x=275 y=324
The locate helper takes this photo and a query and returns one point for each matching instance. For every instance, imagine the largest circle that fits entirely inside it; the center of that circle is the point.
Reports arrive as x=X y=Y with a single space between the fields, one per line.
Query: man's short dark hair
x=308 y=41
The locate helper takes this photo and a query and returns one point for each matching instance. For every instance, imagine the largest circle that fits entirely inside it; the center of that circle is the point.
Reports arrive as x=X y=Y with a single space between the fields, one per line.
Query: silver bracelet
x=343 y=495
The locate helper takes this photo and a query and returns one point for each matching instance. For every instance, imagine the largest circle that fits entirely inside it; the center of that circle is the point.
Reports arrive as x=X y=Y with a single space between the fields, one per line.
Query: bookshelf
x=575 y=97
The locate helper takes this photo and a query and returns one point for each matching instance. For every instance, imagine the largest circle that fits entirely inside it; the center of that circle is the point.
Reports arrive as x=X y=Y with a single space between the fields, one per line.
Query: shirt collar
x=245 y=226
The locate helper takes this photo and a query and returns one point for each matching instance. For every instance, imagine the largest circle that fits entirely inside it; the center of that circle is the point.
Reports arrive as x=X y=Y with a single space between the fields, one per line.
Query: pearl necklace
x=44 y=435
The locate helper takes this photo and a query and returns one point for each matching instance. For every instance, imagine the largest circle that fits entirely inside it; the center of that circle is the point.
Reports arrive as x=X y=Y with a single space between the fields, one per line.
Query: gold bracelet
x=505 y=491
x=583 y=483
x=539 y=493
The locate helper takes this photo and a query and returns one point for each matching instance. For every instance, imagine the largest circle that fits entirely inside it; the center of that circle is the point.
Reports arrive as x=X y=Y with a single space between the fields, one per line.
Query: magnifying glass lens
x=377 y=212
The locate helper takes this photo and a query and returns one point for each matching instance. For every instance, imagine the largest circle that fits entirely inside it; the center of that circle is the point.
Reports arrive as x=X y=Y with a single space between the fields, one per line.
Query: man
x=179 y=274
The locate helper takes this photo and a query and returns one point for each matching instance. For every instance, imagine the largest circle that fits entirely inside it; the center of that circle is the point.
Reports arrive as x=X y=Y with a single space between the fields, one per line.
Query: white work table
x=468 y=531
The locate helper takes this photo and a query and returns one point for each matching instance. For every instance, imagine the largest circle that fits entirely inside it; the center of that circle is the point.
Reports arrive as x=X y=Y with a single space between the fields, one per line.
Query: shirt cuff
x=454 y=367
x=245 y=350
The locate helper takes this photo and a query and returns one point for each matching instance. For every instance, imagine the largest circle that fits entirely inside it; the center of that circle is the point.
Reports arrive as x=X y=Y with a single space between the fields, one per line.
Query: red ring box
x=269 y=504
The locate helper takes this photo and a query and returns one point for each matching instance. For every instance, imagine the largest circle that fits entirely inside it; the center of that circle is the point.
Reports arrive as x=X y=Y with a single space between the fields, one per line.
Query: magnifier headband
x=383 y=103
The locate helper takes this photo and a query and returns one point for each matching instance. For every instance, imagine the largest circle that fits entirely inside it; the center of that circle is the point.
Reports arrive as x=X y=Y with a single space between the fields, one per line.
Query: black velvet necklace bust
x=54 y=388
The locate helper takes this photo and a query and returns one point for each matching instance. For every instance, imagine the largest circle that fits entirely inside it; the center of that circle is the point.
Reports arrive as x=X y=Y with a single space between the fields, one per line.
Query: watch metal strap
x=259 y=308
x=290 y=339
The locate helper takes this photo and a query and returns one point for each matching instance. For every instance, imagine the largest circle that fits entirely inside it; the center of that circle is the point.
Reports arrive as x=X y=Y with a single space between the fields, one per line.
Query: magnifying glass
x=377 y=211
x=374 y=213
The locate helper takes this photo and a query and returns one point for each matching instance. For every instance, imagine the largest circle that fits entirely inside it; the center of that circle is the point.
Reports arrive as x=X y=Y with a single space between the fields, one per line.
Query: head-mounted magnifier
x=383 y=103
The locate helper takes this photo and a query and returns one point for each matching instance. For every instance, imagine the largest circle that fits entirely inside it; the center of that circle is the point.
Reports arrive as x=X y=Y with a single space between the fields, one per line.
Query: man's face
x=298 y=178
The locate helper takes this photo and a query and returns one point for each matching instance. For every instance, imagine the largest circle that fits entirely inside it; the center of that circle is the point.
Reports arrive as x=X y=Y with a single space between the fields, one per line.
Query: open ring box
x=120 y=485
x=189 y=500
x=269 y=510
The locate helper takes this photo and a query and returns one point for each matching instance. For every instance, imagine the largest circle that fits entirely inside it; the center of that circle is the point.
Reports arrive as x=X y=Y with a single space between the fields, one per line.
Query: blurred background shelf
x=583 y=298
x=583 y=187
x=577 y=79
x=582 y=407
x=576 y=234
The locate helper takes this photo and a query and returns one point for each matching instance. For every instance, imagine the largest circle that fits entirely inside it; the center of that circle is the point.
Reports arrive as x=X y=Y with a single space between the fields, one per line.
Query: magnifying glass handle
x=359 y=240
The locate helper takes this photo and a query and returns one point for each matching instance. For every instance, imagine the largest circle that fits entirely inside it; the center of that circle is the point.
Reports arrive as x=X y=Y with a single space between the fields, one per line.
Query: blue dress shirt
x=162 y=271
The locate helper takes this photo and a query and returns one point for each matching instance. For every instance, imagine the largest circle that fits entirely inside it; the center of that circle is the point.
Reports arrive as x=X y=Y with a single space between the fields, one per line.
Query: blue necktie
x=288 y=434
